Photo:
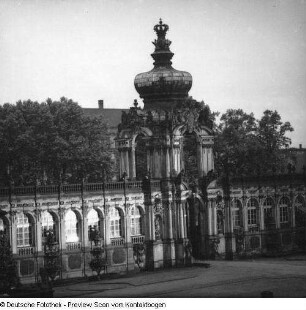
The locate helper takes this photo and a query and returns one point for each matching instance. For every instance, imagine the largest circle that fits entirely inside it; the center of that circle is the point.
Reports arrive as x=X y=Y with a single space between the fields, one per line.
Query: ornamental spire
x=162 y=54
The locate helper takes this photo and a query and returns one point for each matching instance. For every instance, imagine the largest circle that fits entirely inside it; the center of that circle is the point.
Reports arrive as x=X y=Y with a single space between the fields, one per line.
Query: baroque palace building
x=156 y=215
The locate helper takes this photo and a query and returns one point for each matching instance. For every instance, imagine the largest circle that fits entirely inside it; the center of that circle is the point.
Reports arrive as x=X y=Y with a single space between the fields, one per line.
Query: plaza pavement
x=284 y=277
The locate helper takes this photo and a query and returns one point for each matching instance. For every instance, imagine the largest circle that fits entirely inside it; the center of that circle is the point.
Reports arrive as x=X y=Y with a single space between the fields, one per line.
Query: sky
x=247 y=54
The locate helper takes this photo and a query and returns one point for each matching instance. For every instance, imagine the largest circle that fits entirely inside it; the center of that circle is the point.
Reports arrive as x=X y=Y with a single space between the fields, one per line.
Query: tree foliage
x=8 y=266
x=246 y=146
x=52 y=141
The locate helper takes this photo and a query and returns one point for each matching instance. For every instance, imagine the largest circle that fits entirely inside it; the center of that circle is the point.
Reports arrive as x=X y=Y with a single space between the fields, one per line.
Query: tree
x=52 y=141
x=8 y=267
x=246 y=146
x=235 y=142
x=272 y=138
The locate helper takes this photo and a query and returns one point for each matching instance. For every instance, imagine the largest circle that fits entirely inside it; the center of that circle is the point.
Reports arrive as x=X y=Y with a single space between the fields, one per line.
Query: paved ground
x=285 y=277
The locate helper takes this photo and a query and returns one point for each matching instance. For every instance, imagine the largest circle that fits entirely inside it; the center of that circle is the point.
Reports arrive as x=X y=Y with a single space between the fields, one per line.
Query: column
x=85 y=228
x=13 y=232
x=277 y=213
x=132 y=163
x=245 y=215
x=214 y=212
x=170 y=228
x=149 y=166
x=62 y=237
x=128 y=225
x=209 y=218
x=200 y=159
x=261 y=216
x=152 y=222
x=205 y=155
x=182 y=221
x=126 y=162
x=168 y=167
x=107 y=227
x=148 y=222
x=121 y=162
x=38 y=232
x=293 y=213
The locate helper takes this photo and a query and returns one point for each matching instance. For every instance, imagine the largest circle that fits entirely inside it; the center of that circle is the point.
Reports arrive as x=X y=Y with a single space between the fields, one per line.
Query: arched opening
x=194 y=227
x=72 y=227
x=140 y=157
x=190 y=161
x=3 y=226
x=25 y=230
x=269 y=213
x=116 y=221
x=300 y=212
x=284 y=212
x=48 y=227
x=253 y=214
x=136 y=221
x=95 y=226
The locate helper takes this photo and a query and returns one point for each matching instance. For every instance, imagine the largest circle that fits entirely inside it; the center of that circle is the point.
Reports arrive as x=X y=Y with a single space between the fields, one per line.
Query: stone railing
x=72 y=246
x=26 y=251
x=117 y=241
x=75 y=188
x=138 y=239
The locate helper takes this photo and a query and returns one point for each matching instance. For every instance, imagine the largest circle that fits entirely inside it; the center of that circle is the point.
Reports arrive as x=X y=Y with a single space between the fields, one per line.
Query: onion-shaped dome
x=163 y=83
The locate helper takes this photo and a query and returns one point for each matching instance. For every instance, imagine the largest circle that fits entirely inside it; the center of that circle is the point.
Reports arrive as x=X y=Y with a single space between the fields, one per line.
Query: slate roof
x=112 y=116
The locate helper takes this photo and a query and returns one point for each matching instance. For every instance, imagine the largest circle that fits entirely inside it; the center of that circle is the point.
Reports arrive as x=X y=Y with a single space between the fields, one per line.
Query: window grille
x=283 y=210
x=252 y=212
x=24 y=228
x=47 y=221
x=115 y=223
x=237 y=213
x=269 y=216
x=136 y=222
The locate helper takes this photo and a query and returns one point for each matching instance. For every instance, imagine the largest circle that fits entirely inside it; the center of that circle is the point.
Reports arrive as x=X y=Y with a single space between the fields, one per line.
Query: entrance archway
x=195 y=227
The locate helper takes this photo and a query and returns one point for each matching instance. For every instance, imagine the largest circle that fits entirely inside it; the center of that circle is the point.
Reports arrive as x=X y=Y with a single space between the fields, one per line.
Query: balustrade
x=117 y=241
x=75 y=188
x=138 y=239
x=26 y=251
x=71 y=246
x=50 y=189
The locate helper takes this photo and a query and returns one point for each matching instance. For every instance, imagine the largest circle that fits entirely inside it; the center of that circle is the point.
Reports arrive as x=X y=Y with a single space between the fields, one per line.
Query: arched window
x=237 y=213
x=2 y=226
x=93 y=221
x=284 y=211
x=252 y=212
x=300 y=212
x=136 y=221
x=71 y=226
x=47 y=222
x=269 y=213
x=115 y=223
x=24 y=230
